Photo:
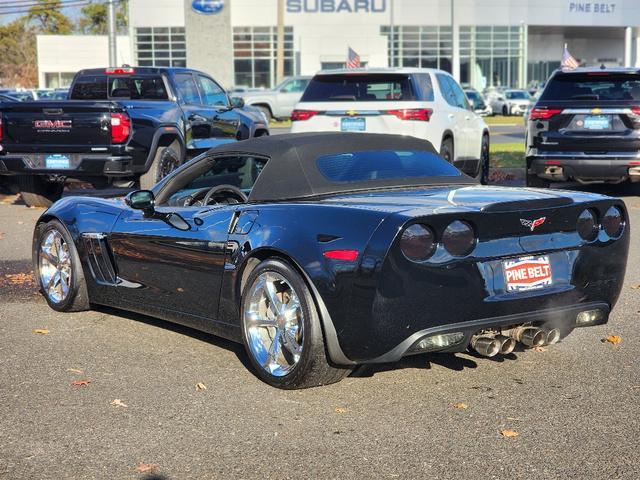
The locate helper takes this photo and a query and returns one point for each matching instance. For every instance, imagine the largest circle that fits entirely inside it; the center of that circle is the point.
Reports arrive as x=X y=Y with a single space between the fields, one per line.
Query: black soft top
x=292 y=173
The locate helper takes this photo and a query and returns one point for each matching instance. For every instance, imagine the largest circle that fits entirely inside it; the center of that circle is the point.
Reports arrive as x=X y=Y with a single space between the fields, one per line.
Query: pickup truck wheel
x=167 y=159
x=38 y=192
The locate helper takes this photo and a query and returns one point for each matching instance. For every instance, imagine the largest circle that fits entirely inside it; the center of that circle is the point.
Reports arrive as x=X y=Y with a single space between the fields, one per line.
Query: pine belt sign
x=336 y=6
x=592 y=7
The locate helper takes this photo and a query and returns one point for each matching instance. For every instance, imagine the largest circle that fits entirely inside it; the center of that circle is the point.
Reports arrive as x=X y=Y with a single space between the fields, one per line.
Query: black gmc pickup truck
x=119 y=126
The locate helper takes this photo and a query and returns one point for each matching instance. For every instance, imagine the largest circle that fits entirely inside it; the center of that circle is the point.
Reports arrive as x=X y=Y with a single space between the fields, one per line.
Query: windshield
x=383 y=165
x=359 y=88
x=518 y=95
x=593 y=86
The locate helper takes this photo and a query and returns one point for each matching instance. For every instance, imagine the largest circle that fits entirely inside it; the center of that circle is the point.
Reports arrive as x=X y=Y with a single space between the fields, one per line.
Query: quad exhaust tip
x=553 y=336
x=529 y=336
x=507 y=344
x=485 y=345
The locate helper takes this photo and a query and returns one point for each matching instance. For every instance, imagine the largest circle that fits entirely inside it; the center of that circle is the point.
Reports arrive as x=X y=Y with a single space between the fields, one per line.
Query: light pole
x=280 y=41
x=111 y=20
x=455 y=46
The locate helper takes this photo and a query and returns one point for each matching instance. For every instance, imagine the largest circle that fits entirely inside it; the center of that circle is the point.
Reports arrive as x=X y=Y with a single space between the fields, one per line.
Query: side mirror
x=141 y=200
x=237 y=102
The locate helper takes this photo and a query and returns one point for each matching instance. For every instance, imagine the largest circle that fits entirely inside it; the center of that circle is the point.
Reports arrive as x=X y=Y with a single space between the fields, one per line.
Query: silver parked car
x=510 y=102
x=279 y=101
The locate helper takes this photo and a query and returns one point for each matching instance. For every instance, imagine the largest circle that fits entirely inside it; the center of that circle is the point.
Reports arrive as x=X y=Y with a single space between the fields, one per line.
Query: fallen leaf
x=146 y=467
x=21 y=223
x=509 y=433
x=341 y=410
x=20 y=278
x=1 y=236
x=461 y=406
x=78 y=383
x=635 y=287
x=74 y=370
x=614 y=339
x=539 y=349
x=118 y=403
x=41 y=331
x=201 y=386
x=179 y=289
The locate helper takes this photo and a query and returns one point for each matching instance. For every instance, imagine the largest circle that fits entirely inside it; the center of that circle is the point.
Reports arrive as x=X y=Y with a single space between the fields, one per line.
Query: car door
x=288 y=95
x=225 y=120
x=455 y=116
x=179 y=266
x=197 y=125
x=471 y=127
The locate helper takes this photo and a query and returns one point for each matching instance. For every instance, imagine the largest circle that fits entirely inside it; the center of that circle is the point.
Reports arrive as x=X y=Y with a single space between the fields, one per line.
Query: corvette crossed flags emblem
x=532 y=224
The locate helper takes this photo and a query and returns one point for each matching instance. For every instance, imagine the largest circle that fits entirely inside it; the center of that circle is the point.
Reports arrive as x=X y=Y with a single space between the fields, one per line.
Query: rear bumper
x=562 y=318
x=562 y=166
x=80 y=165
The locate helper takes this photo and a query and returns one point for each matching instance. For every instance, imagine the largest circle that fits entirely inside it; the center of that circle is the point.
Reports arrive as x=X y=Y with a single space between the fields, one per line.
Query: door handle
x=451 y=116
x=467 y=117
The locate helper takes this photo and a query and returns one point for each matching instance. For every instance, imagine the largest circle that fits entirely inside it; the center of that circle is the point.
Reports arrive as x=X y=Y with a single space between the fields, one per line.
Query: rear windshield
x=103 y=87
x=359 y=88
x=592 y=86
x=383 y=165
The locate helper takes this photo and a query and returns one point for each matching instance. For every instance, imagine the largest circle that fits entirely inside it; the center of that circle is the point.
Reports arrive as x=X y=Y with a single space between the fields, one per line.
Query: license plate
x=527 y=273
x=56 y=162
x=597 y=122
x=356 y=124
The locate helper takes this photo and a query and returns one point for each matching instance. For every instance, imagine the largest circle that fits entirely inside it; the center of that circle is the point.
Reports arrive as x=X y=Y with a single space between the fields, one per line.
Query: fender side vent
x=100 y=258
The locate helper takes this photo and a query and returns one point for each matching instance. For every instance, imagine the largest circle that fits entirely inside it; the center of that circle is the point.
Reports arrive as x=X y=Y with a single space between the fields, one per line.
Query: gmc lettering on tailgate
x=53 y=125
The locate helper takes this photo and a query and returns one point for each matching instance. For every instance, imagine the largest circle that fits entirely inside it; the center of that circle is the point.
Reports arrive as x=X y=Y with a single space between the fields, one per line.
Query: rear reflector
x=120 y=71
x=344 y=255
x=635 y=110
x=120 y=127
x=553 y=162
x=543 y=113
x=300 y=115
x=420 y=114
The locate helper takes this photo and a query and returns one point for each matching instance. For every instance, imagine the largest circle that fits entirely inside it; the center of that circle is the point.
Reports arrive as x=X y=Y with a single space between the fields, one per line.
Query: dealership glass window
x=419 y=46
x=160 y=47
x=58 y=79
x=490 y=55
x=254 y=54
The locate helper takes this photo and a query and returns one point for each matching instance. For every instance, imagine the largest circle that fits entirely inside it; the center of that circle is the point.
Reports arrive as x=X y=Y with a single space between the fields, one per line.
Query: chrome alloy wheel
x=273 y=321
x=54 y=262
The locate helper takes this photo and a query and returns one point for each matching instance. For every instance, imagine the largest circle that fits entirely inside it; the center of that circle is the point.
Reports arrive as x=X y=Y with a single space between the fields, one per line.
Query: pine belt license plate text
x=56 y=162
x=355 y=124
x=527 y=273
x=597 y=122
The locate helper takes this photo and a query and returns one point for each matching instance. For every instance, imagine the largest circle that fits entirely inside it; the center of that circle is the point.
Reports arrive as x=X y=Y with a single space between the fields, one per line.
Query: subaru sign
x=336 y=6
x=207 y=7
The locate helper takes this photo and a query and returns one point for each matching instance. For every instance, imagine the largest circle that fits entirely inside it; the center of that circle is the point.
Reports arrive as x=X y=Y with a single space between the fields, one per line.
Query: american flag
x=568 y=62
x=353 y=59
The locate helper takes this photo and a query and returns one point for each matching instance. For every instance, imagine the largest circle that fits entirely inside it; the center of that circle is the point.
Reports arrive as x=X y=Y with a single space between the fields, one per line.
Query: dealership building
x=482 y=42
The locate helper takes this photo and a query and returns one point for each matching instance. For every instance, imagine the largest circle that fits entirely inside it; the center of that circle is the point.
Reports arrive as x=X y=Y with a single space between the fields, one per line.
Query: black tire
x=38 y=192
x=266 y=110
x=313 y=368
x=483 y=169
x=446 y=150
x=78 y=299
x=166 y=160
x=535 y=181
x=505 y=111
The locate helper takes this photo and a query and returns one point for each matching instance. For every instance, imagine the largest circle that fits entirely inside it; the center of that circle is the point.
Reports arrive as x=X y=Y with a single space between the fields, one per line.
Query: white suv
x=421 y=102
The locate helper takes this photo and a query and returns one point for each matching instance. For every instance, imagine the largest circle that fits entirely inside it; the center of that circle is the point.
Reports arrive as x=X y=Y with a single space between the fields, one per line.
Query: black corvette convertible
x=323 y=251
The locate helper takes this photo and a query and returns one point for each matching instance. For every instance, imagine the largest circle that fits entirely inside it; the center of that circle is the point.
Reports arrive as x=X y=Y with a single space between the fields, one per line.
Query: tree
x=93 y=18
x=48 y=18
x=18 y=66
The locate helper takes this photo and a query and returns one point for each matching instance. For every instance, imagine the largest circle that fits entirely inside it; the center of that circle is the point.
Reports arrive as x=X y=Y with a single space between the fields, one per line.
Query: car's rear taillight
x=120 y=71
x=420 y=114
x=635 y=111
x=300 y=115
x=543 y=113
x=0 y=127
x=120 y=127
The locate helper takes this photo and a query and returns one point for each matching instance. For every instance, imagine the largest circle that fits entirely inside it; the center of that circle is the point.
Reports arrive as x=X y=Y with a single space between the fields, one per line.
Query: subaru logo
x=207 y=7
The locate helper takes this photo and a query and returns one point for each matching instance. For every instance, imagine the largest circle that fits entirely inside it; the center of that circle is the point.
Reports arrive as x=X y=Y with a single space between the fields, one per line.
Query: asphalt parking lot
x=573 y=406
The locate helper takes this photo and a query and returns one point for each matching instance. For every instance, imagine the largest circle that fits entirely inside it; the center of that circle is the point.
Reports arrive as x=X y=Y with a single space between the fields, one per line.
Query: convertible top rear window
x=383 y=165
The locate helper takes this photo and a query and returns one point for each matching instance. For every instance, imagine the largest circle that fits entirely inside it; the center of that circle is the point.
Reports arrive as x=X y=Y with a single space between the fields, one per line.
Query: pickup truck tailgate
x=34 y=125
